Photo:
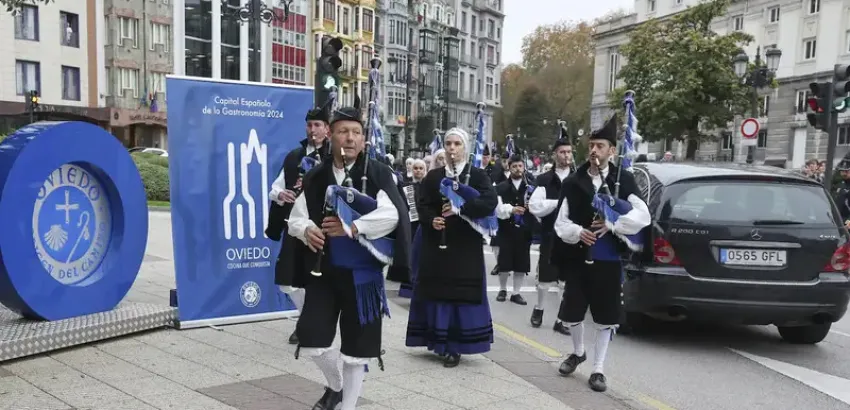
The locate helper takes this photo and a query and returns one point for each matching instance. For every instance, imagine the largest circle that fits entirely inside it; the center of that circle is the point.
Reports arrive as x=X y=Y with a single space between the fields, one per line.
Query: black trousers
x=331 y=299
x=597 y=286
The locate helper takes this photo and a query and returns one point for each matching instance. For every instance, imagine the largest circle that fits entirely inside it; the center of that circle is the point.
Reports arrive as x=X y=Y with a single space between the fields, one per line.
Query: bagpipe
x=607 y=206
x=457 y=193
x=307 y=163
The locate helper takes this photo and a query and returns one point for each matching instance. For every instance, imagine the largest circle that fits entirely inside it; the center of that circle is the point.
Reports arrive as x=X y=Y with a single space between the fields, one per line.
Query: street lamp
x=761 y=75
x=256 y=12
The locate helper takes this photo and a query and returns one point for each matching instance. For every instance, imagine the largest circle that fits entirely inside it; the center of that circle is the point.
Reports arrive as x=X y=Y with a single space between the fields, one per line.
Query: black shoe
x=502 y=296
x=569 y=366
x=597 y=382
x=561 y=328
x=495 y=271
x=451 y=360
x=293 y=339
x=536 y=317
x=329 y=400
x=518 y=299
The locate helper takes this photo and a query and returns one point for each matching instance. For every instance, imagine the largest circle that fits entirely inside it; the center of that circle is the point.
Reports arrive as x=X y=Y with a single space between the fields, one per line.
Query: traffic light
x=821 y=104
x=841 y=81
x=326 y=70
x=33 y=100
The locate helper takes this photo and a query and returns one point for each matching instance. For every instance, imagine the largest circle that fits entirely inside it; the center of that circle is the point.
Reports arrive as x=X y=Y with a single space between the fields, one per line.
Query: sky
x=523 y=16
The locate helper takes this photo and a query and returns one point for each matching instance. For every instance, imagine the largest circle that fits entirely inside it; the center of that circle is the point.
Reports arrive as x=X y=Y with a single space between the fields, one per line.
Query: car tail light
x=840 y=261
x=663 y=252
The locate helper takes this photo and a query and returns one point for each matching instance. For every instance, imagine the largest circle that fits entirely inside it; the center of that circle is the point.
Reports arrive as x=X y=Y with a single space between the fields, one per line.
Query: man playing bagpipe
x=284 y=190
x=449 y=312
x=595 y=233
x=352 y=236
x=515 y=231
x=544 y=205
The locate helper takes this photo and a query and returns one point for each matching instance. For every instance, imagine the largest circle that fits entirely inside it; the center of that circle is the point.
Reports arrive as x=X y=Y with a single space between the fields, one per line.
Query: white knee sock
x=542 y=290
x=329 y=364
x=297 y=297
x=352 y=379
x=496 y=253
x=577 y=333
x=519 y=278
x=603 y=338
x=503 y=280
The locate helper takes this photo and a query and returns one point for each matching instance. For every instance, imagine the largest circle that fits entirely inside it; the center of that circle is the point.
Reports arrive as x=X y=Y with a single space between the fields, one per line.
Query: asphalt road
x=684 y=367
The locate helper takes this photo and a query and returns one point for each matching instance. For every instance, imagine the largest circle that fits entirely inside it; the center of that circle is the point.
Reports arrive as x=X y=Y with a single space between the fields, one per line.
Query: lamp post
x=757 y=77
x=393 y=62
x=256 y=12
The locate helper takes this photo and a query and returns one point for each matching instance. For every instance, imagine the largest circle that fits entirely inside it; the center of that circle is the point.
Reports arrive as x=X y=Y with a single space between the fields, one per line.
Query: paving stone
x=540 y=369
x=5 y=373
x=558 y=384
x=237 y=394
x=279 y=403
x=288 y=384
x=16 y=394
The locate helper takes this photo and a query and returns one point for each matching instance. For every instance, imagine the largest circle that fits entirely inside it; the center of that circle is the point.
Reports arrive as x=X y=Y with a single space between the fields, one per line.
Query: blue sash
x=458 y=194
x=612 y=213
x=368 y=273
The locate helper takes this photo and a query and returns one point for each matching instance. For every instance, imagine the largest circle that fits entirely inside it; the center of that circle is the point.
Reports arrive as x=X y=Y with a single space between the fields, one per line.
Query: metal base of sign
x=235 y=320
x=21 y=337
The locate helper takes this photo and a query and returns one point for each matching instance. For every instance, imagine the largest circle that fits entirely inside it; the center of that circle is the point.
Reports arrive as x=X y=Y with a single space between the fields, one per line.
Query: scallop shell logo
x=56 y=237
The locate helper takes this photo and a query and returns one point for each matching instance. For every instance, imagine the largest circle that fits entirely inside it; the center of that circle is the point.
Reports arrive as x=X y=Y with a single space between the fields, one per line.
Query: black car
x=739 y=244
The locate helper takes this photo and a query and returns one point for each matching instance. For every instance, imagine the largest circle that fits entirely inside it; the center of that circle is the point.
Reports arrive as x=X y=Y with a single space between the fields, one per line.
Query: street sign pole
x=749 y=133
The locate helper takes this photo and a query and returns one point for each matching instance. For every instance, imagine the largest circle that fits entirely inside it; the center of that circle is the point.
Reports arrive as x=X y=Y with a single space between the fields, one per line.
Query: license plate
x=753 y=257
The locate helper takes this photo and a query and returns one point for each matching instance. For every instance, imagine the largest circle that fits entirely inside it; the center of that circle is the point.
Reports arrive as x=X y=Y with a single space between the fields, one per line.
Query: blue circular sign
x=74 y=213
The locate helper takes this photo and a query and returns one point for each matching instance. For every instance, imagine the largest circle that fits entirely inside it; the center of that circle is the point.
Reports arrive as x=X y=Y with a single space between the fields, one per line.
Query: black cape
x=297 y=273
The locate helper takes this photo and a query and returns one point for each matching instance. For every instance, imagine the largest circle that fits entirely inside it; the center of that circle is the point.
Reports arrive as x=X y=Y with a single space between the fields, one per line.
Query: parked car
x=158 y=151
x=739 y=244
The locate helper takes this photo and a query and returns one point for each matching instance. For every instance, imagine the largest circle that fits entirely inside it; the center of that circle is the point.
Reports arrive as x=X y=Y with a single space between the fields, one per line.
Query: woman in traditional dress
x=449 y=313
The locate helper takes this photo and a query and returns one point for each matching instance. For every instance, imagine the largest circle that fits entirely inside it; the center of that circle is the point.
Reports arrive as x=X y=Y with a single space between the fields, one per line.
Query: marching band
x=426 y=227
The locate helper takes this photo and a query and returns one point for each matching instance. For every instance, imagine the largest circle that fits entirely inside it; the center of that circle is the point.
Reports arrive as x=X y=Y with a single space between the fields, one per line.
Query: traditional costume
x=350 y=289
x=296 y=163
x=544 y=205
x=499 y=174
x=410 y=192
x=449 y=312
x=515 y=231
x=594 y=274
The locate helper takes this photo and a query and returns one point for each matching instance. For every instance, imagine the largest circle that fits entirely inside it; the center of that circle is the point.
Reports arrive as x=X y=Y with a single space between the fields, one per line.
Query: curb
x=159 y=209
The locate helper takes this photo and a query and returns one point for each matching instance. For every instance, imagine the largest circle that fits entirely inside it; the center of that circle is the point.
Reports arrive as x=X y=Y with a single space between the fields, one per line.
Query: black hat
x=317 y=114
x=560 y=143
x=346 y=114
x=515 y=158
x=486 y=150
x=608 y=131
x=505 y=155
x=844 y=164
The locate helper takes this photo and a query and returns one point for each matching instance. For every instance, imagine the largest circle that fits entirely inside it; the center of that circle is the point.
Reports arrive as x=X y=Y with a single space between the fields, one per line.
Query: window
x=70 y=34
x=773 y=15
x=762 y=139
x=726 y=140
x=128 y=31
x=109 y=84
x=160 y=35
x=474 y=25
x=367 y=57
x=814 y=6
x=346 y=22
x=156 y=82
x=26 y=23
x=650 y=6
x=491 y=55
x=613 y=70
x=489 y=88
x=472 y=86
x=395 y=104
x=70 y=83
x=764 y=109
x=491 y=28
x=810 y=49
x=802 y=96
x=463 y=21
x=128 y=82
x=357 y=16
x=368 y=20
x=847 y=42
x=844 y=135
x=738 y=23
x=28 y=76
x=329 y=7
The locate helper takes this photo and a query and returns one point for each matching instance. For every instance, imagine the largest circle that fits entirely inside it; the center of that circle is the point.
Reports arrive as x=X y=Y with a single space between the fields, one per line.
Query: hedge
x=154 y=172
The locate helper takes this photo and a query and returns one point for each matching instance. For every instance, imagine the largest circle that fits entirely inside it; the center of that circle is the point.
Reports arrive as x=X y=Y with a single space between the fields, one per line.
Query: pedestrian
x=544 y=205
x=449 y=312
x=590 y=249
x=283 y=193
x=410 y=191
x=343 y=294
x=515 y=230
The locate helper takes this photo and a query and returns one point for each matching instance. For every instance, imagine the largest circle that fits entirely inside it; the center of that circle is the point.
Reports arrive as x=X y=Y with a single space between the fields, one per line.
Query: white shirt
x=628 y=224
x=538 y=205
x=503 y=210
x=279 y=184
x=376 y=224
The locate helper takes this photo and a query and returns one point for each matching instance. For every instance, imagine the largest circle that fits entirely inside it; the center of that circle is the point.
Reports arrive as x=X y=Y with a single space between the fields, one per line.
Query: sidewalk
x=248 y=367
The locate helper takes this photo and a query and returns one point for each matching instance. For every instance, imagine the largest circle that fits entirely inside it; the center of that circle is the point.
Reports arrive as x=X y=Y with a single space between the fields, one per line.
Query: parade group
x=351 y=221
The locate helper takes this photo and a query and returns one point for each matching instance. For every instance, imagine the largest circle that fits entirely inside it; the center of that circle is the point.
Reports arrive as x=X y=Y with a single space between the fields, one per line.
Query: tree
x=682 y=74
x=527 y=117
x=513 y=80
x=12 y=5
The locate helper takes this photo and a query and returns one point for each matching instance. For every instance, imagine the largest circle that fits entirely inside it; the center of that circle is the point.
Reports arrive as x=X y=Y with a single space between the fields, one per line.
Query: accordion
x=410 y=196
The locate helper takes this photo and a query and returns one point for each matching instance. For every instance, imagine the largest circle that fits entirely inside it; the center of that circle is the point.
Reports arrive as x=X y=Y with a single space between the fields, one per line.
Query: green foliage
x=530 y=104
x=12 y=5
x=683 y=75
x=154 y=172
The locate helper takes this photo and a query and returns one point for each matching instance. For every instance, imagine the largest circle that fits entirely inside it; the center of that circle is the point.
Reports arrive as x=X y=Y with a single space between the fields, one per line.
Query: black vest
x=552 y=183
x=516 y=197
x=279 y=214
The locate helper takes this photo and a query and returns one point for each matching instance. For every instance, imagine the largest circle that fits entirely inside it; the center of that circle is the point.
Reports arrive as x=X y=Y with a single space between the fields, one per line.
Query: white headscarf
x=460 y=163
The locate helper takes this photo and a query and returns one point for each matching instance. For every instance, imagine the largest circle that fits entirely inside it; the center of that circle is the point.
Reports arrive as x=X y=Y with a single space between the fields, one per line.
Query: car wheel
x=633 y=323
x=804 y=335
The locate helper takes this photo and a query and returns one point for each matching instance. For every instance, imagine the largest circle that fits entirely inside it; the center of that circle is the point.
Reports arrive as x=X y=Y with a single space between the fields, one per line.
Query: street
x=682 y=366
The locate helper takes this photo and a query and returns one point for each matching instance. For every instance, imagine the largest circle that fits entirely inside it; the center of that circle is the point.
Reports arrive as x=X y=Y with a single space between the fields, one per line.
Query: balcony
x=349 y=72
x=427 y=57
x=492 y=63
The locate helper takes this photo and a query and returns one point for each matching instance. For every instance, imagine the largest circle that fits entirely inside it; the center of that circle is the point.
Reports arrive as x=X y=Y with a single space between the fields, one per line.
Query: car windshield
x=752 y=203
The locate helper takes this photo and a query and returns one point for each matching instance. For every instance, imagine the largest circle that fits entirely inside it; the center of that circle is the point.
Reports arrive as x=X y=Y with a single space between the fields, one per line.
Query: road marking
x=548 y=351
x=840 y=333
x=833 y=386
x=533 y=252
x=524 y=289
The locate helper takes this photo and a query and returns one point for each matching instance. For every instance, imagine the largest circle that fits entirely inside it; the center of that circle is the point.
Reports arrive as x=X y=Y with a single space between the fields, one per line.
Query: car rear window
x=745 y=202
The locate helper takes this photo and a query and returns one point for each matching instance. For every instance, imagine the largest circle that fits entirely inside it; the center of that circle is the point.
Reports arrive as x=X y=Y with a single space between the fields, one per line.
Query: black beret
x=560 y=143
x=346 y=114
x=515 y=158
x=486 y=150
x=317 y=114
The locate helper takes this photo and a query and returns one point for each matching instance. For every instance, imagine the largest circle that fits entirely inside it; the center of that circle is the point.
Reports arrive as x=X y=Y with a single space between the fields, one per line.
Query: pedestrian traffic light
x=326 y=70
x=821 y=103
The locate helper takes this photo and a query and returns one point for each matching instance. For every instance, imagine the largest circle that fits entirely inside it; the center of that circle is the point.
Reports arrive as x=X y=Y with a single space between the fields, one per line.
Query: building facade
x=813 y=37
x=50 y=52
x=290 y=46
x=353 y=21
x=397 y=44
x=136 y=52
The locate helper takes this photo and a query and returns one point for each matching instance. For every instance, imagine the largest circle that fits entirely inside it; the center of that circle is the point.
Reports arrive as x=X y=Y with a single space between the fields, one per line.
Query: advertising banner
x=226 y=144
